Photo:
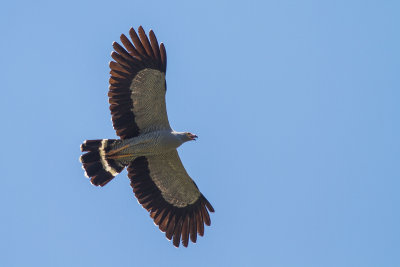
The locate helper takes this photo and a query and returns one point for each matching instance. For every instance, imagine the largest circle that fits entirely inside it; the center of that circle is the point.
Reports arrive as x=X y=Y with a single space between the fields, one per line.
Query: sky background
x=296 y=105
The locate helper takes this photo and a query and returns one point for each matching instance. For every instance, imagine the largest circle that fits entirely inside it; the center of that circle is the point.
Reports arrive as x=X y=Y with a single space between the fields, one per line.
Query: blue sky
x=296 y=104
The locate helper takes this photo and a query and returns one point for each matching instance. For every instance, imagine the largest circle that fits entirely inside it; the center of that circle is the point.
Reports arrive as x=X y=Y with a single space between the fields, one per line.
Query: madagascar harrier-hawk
x=148 y=144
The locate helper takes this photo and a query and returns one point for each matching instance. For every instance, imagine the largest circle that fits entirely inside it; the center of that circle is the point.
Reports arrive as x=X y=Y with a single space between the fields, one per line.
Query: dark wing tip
x=185 y=230
x=163 y=54
x=129 y=46
x=208 y=205
x=145 y=42
x=155 y=48
x=177 y=232
x=136 y=41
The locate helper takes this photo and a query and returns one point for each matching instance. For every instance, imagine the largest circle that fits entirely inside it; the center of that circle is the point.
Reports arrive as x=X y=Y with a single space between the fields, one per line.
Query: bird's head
x=189 y=136
x=185 y=136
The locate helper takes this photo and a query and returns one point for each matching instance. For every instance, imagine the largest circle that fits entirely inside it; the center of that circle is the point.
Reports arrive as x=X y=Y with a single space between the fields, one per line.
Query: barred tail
x=97 y=166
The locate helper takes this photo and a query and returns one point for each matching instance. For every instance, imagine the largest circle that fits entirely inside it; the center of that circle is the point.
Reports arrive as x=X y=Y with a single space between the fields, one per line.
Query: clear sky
x=296 y=105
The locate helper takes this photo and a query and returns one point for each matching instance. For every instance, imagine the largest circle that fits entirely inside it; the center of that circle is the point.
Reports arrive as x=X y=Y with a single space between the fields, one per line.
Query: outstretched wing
x=137 y=85
x=163 y=187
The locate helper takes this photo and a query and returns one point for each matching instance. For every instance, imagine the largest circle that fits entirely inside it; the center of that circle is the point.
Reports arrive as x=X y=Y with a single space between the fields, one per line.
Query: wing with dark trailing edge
x=163 y=187
x=137 y=85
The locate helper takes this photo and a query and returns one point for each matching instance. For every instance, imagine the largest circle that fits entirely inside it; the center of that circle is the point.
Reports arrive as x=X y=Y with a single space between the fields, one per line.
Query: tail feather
x=97 y=166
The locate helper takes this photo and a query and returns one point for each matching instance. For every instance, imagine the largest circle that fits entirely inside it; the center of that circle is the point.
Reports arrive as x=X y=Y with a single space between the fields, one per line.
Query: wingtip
x=141 y=31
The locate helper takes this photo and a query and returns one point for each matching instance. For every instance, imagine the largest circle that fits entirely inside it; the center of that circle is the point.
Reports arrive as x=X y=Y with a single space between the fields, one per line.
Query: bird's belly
x=149 y=145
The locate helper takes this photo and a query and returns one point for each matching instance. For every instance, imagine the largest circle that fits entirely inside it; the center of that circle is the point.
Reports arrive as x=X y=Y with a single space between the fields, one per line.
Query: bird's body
x=148 y=144
x=153 y=143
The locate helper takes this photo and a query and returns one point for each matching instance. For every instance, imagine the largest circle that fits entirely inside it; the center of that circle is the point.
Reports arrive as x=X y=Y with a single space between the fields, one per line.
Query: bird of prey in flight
x=147 y=145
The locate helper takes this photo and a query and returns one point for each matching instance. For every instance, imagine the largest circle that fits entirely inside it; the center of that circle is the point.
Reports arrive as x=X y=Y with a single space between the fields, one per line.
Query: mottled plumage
x=148 y=144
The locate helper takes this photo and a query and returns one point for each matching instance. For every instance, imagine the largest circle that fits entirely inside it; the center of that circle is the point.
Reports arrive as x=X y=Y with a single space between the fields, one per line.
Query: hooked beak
x=193 y=137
